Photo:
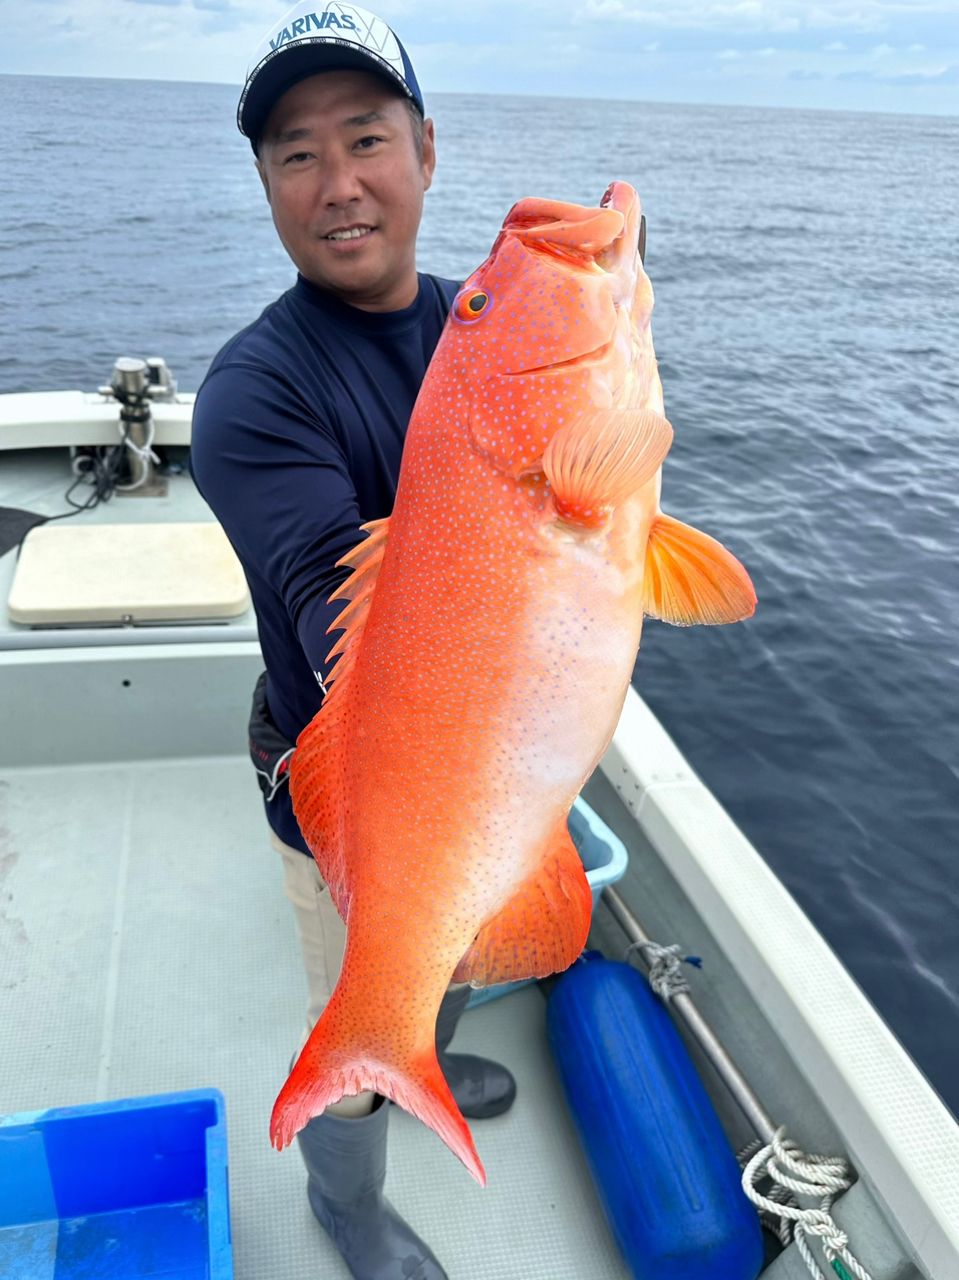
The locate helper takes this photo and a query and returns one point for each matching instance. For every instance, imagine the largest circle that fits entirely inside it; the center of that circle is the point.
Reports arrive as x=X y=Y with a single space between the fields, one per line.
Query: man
x=297 y=435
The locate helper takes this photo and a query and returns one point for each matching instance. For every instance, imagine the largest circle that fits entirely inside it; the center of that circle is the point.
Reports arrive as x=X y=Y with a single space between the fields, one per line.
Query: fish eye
x=470 y=305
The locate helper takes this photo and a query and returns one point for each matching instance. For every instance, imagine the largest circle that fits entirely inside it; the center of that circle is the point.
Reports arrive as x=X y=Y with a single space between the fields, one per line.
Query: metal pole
x=729 y=1073
x=130 y=384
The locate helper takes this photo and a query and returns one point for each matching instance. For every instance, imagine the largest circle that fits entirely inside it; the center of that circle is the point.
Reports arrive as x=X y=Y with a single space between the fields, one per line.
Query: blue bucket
x=117 y=1191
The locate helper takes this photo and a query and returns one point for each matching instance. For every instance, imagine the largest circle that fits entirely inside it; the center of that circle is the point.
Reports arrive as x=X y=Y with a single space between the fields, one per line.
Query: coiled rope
x=793 y=1173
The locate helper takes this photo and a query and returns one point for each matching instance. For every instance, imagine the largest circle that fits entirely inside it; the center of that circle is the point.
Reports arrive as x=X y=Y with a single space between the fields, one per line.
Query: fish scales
x=490 y=636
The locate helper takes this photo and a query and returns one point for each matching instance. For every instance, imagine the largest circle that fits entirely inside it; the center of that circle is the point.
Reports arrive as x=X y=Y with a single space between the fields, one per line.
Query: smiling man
x=345 y=167
x=298 y=431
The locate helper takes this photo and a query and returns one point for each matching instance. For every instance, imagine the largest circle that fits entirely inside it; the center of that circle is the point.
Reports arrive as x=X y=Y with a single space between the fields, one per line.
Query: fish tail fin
x=325 y=1072
x=422 y=1090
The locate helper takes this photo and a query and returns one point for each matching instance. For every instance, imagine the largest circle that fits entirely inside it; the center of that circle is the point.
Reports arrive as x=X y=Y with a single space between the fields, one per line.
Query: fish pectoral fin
x=541 y=930
x=690 y=577
x=599 y=461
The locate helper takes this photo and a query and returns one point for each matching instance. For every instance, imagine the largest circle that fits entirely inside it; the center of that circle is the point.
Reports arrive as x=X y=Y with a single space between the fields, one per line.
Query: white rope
x=143 y=453
x=791 y=1171
x=794 y=1174
x=665 y=974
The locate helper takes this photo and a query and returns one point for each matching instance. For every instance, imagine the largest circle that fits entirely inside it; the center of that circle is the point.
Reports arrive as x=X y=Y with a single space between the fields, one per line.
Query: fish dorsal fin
x=318 y=767
x=690 y=577
x=365 y=560
x=541 y=929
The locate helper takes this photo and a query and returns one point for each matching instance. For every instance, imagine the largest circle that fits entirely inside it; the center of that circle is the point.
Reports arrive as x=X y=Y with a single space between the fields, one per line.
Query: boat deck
x=146 y=946
x=35 y=480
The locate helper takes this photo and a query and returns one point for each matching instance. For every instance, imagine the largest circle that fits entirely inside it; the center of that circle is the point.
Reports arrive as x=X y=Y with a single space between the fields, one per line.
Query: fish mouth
x=596 y=356
x=601 y=241
x=595 y=239
x=620 y=256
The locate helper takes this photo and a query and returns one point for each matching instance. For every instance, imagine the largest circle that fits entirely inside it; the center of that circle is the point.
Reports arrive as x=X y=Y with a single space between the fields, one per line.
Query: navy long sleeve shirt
x=298 y=431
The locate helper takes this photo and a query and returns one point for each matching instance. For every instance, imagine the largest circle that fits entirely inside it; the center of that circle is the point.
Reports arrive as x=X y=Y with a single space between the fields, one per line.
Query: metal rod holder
x=737 y=1084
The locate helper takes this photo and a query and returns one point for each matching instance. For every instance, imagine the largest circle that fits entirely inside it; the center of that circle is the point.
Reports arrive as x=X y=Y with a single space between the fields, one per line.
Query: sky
x=871 y=55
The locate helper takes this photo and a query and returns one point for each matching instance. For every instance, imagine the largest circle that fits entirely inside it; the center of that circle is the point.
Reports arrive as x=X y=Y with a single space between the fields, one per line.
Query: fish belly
x=483 y=723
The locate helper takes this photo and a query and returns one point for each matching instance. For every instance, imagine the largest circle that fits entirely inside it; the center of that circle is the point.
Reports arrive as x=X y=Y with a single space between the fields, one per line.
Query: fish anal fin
x=318 y=767
x=691 y=578
x=599 y=461
x=541 y=930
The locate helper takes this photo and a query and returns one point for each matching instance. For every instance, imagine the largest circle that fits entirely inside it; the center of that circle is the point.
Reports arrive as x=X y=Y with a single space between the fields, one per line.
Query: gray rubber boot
x=346 y=1163
x=481 y=1087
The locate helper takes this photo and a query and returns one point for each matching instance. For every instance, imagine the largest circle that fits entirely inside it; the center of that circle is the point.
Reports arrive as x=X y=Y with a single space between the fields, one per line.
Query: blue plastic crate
x=117 y=1191
x=604 y=857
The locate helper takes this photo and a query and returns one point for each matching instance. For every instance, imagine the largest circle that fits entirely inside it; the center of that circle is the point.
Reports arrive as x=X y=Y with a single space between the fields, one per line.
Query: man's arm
x=279 y=484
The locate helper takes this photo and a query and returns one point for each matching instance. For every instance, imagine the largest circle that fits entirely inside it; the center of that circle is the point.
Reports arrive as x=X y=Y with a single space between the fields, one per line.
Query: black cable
x=106 y=465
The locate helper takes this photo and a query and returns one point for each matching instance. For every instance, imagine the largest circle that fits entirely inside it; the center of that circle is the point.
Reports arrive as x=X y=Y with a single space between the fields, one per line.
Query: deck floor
x=146 y=946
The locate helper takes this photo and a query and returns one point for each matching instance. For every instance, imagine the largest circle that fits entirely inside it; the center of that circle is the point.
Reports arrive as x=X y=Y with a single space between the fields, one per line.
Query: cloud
x=862 y=16
x=902 y=53
x=941 y=76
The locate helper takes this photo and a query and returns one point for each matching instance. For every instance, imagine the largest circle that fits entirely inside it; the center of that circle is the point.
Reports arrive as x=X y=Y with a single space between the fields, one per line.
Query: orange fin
x=690 y=577
x=377 y=531
x=317 y=785
x=365 y=560
x=596 y=463
x=541 y=930
x=317 y=770
x=329 y=1069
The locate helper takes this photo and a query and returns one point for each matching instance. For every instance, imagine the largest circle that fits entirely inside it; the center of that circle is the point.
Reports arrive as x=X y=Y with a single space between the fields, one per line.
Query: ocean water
x=806 y=269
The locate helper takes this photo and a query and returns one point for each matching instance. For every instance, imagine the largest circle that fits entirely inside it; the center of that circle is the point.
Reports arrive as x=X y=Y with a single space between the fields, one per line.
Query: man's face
x=338 y=156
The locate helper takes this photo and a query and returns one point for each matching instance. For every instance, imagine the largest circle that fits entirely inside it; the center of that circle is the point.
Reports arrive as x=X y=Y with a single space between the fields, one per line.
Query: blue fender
x=664 y=1170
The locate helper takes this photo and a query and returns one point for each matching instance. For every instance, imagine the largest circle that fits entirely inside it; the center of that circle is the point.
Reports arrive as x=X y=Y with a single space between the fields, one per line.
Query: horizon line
x=543 y=97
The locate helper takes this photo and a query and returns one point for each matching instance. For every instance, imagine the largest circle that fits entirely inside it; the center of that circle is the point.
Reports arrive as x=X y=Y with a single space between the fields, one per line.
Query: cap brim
x=292 y=64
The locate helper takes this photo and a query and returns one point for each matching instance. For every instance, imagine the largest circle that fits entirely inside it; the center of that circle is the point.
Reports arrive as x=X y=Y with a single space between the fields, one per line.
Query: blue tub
x=604 y=857
x=117 y=1191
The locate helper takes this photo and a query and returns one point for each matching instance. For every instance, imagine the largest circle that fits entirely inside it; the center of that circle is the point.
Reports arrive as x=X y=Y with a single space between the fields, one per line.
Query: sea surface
x=806 y=269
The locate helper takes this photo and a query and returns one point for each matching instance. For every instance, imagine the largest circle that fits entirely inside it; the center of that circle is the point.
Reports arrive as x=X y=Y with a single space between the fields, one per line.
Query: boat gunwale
x=900 y=1136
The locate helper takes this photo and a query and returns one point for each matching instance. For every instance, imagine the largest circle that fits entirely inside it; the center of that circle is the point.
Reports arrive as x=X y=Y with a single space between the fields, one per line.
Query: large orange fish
x=488 y=645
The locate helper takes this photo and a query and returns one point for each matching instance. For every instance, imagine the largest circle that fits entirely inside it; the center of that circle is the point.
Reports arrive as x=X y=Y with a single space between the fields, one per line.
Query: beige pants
x=322 y=937
x=322 y=933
